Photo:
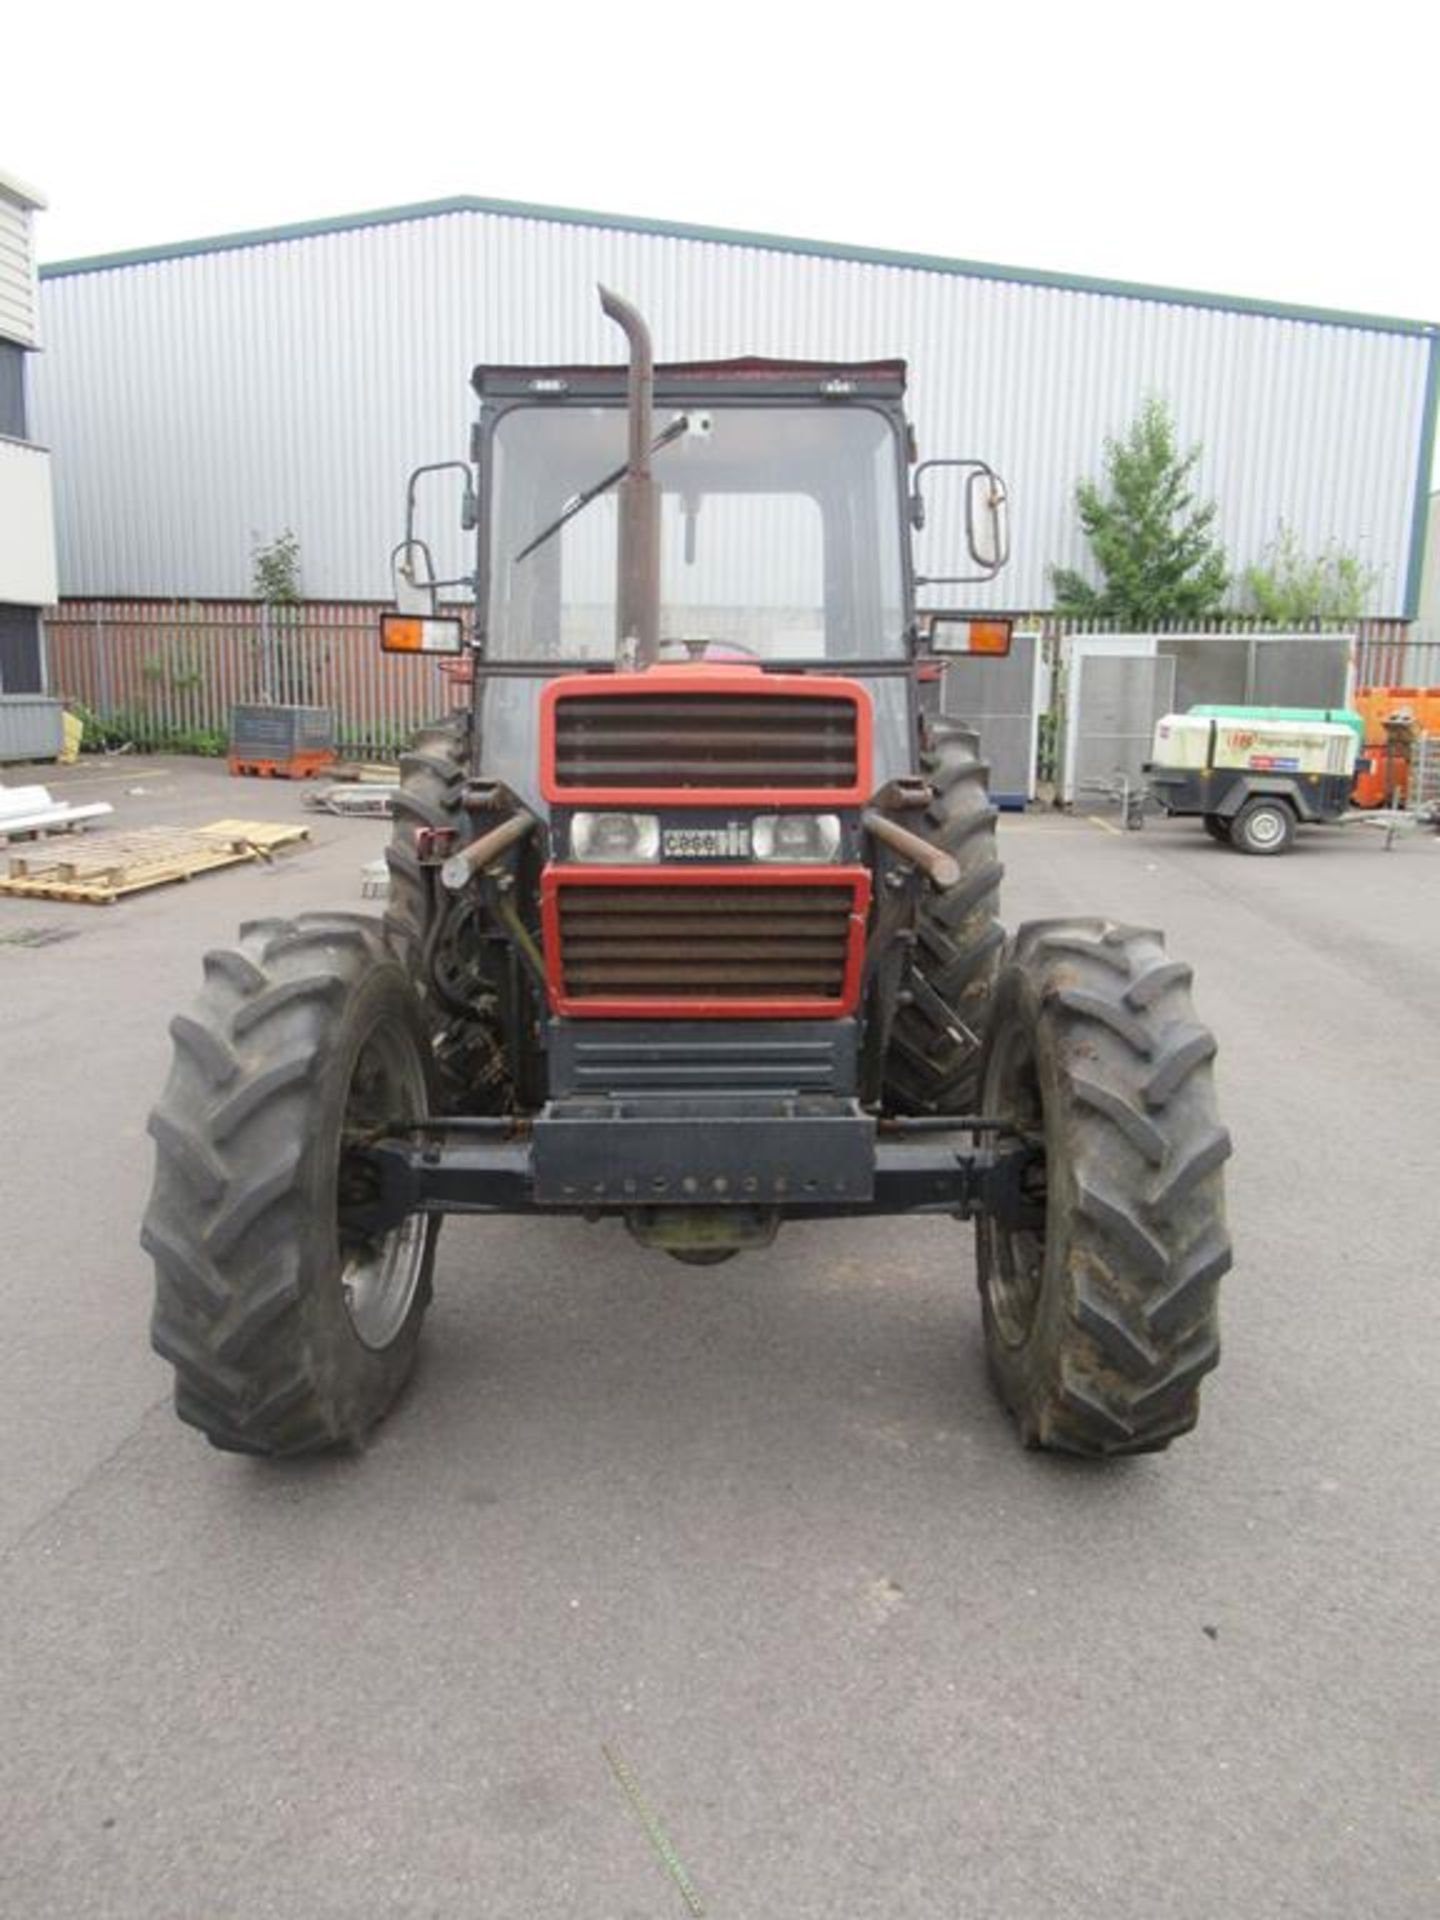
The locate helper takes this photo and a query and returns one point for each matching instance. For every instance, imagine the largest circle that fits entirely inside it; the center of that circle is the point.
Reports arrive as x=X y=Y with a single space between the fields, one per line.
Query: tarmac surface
x=666 y=1588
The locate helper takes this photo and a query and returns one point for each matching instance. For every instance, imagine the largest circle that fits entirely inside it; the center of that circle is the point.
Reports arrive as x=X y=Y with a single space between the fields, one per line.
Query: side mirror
x=413 y=572
x=987 y=520
x=983 y=510
x=412 y=565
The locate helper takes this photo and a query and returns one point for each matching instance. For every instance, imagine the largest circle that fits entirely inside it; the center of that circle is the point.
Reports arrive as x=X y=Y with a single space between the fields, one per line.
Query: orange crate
x=298 y=766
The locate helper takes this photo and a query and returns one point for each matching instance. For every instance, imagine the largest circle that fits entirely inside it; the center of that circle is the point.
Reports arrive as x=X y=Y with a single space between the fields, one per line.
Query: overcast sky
x=1286 y=152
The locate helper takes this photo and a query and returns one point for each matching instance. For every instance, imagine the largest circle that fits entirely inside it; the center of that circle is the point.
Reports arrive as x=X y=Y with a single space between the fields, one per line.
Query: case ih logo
x=1242 y=741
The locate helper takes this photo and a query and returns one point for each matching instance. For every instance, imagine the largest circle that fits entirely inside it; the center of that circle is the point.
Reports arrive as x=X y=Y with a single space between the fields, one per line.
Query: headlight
x=796 y=836
x=620 y=838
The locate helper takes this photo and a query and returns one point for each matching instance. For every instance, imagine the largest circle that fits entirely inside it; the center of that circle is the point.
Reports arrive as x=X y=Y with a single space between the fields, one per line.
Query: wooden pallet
x=108 y=865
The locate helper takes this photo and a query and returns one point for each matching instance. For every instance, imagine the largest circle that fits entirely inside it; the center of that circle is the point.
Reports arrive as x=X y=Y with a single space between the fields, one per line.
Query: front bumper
x=808 y=1156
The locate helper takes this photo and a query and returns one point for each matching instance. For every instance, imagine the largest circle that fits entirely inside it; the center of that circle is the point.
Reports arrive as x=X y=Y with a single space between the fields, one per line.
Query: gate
x=1001 y=698
x=1115 y=699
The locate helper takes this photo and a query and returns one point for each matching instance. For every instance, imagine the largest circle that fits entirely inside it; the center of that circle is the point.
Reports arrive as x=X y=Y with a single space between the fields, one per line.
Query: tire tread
x=1128 y=1327
x=228 y=1225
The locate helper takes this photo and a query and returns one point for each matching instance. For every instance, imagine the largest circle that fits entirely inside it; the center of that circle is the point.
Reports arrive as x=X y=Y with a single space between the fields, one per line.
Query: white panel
x=27 y=526
x=17 y=274
x=200 y=403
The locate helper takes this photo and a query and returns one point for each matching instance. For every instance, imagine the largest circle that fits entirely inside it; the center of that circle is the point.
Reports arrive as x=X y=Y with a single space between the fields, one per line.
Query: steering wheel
x=697 y=647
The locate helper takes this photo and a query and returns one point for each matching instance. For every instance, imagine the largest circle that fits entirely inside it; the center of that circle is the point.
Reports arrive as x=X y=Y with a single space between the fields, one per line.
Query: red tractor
x=692 y=922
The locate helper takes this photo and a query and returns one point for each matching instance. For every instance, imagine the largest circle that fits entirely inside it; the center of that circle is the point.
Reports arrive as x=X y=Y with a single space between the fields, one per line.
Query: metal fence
x=166 y=674
x=1423 y=794
x=1397 y=662
x=1386 y=652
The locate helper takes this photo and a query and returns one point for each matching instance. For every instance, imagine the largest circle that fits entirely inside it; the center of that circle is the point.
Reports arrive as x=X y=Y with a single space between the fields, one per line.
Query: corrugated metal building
x=1428 y=610
x=200 y=398
x=27 y=537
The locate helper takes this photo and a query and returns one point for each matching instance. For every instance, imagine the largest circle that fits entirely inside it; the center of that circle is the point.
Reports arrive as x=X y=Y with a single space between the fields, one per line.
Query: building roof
x=17 y=190
x=733 y=237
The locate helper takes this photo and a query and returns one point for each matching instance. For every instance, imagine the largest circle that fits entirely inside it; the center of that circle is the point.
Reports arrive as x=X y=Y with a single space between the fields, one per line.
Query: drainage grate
x=36 y=936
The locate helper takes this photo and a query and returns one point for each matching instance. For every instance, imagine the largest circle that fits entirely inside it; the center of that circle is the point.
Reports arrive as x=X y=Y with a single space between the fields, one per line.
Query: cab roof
x=703 y=379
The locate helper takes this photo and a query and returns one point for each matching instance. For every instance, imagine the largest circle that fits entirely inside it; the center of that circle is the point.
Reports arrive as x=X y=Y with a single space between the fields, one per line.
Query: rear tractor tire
x=288 y=1334
x=933 y=1063
x=1100 y=1326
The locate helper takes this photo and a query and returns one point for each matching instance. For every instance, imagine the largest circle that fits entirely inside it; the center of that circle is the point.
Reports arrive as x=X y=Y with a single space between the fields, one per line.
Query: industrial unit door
x=1310 y=672
x=20 y=670
x=1260 y=669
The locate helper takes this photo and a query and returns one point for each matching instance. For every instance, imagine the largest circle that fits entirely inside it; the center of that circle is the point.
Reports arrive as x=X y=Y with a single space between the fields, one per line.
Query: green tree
x=275 y=580
x=1293 y=588
x=1152 y=542
x=275 y=570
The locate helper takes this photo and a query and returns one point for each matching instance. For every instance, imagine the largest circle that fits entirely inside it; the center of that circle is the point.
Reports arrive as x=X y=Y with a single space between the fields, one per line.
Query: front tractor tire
x=933 y=1061
x=436 y=938
x=288 y=1332
x=432 y=776
x=1100 y=1326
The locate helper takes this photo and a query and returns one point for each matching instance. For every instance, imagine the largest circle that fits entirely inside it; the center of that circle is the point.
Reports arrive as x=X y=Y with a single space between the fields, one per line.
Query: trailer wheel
x=1100 y=1326
x=933 y=1061
x=1263 y=825
x=287 y=1333
x=1218 y=828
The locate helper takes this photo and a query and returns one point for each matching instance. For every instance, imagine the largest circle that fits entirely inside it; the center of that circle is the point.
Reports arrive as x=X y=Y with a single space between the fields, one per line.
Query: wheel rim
x=1266 y=828
x=379 y=1274
x=1015 y=1267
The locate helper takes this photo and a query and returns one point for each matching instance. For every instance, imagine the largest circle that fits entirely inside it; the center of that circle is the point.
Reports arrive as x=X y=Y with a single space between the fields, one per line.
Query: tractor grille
x=705 y=740
x=705 y=943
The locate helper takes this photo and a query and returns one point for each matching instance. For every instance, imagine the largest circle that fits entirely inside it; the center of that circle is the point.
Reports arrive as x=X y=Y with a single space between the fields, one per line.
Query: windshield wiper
x=579 y=502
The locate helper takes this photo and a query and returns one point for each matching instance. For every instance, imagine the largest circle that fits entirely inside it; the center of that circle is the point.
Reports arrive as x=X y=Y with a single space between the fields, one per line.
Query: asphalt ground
x=667 y=1588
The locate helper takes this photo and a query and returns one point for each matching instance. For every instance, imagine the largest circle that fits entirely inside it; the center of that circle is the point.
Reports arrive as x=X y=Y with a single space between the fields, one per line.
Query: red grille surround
x=704 y=943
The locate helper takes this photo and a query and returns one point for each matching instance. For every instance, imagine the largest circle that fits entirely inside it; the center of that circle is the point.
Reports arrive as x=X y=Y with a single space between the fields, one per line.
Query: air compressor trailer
x=1252 y=774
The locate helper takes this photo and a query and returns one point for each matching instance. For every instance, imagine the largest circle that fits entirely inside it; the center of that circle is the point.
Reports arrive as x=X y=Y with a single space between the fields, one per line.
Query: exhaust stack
x=637 y=610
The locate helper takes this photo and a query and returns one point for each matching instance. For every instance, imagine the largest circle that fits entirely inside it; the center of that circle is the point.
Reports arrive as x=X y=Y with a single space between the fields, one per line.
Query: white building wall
x=202 y=402
x=27 y=526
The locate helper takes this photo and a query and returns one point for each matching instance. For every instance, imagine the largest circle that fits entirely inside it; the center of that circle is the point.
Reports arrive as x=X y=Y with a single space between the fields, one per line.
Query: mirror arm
x=437 y=466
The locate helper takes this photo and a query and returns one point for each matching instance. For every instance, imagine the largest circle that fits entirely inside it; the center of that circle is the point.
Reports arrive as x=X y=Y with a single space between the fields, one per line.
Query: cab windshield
x=780 y=534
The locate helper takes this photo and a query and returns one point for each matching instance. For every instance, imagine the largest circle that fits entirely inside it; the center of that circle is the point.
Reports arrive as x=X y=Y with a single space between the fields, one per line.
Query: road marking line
x=658 y=1837
x=1104 y=825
